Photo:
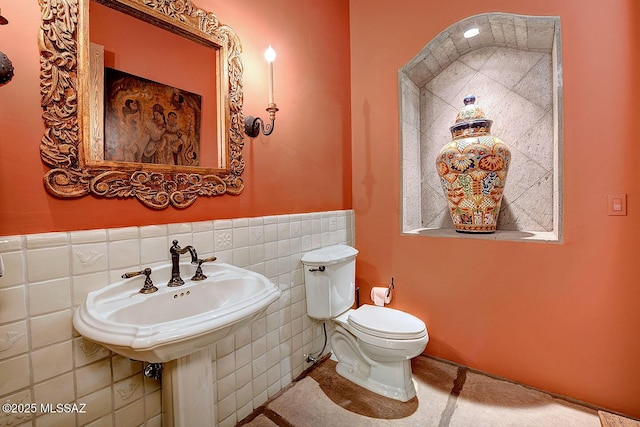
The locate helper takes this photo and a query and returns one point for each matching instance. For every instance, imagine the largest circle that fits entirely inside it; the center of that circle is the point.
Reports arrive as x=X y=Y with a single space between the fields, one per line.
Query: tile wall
x=44 y=361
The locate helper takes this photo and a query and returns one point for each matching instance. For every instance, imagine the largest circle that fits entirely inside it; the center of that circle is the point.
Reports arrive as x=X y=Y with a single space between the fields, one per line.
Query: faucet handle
x=148 y=286
x=199 y=275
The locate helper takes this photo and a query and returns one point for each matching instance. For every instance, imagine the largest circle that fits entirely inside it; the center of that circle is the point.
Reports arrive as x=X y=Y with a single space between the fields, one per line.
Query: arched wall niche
x=514 y=68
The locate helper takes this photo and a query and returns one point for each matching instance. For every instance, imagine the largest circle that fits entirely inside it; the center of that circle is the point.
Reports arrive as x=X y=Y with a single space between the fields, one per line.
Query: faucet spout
x=175 y=250
x=193 y=253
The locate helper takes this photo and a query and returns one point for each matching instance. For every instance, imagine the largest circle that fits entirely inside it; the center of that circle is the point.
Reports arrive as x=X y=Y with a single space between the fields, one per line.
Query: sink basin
x=174 y=321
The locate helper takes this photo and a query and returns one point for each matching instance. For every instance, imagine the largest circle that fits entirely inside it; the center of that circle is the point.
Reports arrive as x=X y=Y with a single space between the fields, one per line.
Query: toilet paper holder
x=391 y=286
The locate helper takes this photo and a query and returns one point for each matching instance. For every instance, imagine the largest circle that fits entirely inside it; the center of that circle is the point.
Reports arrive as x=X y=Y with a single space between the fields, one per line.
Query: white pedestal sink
x=176 y=326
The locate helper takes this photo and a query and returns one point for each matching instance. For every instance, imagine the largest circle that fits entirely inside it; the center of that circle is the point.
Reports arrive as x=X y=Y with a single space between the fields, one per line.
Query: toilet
x=373 y=345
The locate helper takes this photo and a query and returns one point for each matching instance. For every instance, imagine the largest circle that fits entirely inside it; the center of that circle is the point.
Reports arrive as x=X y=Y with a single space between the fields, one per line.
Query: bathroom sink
x=173 y=321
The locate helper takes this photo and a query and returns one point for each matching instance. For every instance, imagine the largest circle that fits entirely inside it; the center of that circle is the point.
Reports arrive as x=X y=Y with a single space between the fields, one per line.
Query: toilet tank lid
x=329 y=254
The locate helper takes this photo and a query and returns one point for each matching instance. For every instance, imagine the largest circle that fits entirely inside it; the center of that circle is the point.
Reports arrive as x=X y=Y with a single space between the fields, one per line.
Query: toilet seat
x=385 y=322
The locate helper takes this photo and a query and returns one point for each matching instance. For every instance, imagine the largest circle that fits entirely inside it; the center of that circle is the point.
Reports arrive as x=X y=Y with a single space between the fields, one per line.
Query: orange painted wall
x=561 y=317
x=304 y=166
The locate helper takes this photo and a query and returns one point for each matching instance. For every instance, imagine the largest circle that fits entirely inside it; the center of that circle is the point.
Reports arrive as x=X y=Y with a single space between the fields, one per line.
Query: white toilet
x=373 y=345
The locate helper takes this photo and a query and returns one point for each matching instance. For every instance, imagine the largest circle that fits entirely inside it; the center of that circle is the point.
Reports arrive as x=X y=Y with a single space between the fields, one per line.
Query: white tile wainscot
x=44 y=361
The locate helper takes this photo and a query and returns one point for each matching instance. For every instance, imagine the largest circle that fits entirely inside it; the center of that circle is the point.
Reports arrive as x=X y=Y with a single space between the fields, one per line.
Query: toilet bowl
x=373 y=345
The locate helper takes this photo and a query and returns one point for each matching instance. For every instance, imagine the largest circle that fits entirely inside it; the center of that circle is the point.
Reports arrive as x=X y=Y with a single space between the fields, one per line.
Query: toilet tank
x=329 y=279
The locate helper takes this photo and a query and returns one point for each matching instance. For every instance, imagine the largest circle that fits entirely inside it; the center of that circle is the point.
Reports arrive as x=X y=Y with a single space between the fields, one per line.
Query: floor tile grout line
x=276 y=418
x=452 y=401
x=558 y=396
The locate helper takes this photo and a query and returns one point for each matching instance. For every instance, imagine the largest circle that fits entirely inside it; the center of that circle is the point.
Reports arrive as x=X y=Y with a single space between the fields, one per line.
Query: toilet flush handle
x=320 y=268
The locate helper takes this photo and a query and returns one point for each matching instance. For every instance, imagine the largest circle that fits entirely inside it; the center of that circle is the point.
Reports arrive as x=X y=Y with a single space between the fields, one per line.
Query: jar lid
x=470 y=120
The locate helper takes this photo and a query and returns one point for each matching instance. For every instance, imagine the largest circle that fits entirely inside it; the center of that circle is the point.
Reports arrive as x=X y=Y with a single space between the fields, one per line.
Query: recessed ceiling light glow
x=471 y=33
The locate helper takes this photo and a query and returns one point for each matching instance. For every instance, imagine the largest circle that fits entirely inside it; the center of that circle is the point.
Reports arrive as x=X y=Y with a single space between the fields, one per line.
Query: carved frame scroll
x=64 y=50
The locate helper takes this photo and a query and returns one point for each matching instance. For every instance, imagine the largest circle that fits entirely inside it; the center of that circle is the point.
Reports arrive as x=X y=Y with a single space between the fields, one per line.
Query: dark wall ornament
x=6 y=67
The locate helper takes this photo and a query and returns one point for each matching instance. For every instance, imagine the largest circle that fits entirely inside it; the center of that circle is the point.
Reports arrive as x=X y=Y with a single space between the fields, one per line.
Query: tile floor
x=448 y=396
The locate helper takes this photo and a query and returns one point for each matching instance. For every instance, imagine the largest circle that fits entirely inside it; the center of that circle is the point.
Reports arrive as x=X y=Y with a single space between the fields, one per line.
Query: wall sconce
x=253 y=125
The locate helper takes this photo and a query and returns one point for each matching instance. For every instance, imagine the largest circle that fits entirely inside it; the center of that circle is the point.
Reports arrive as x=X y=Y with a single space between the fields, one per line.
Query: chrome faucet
x=175 y=252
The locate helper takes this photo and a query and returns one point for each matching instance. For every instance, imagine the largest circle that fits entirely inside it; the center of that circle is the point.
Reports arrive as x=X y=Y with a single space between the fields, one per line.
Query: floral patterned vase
x=473 y=171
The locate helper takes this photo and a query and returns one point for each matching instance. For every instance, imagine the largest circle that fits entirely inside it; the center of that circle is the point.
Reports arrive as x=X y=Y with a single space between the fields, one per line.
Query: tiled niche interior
x=43 y=360
x=513 y=67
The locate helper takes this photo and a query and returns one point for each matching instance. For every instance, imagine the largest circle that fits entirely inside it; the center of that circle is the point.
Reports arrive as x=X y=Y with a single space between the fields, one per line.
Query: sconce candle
x=270 y=56
x=254 y=125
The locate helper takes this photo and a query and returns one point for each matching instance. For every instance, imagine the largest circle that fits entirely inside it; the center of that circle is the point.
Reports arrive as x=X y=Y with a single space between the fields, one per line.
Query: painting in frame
x=150 y=122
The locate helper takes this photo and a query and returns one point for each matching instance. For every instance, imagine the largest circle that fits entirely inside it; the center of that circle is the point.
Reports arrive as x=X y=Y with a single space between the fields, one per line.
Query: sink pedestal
x=187 y=391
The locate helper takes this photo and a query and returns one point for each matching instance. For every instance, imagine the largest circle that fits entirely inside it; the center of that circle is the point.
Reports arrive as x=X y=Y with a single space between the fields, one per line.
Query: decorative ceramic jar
x=473 y=171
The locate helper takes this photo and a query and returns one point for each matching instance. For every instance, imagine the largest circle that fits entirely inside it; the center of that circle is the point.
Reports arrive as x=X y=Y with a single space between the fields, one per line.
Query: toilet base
x=389 y=378
x=402 y=391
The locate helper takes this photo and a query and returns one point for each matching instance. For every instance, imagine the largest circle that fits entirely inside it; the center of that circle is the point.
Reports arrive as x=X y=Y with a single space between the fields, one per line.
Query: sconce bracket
x=254 y=125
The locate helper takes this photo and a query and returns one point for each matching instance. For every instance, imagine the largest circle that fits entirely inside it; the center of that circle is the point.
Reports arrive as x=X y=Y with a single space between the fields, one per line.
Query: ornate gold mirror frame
x=65 y=87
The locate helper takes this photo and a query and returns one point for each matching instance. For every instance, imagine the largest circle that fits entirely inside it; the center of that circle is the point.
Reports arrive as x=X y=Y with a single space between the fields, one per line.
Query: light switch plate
x=616 y=204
